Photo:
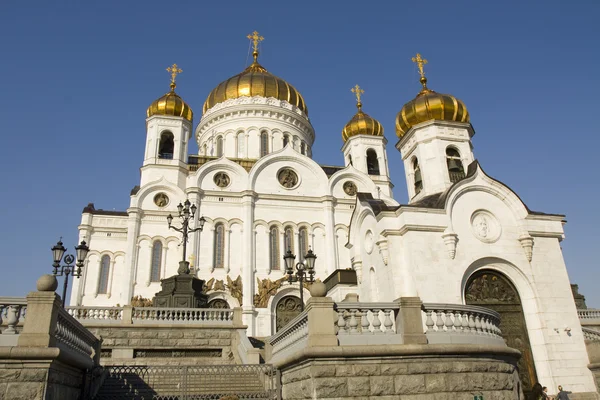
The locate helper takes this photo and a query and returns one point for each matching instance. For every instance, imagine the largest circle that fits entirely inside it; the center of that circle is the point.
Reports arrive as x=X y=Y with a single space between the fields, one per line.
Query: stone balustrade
x=92 y=316
x=367 y=323
x=72 y=336
x=12 y=314
x=291 y=337
x=455 y=323
x=588 y=314
x=591 y=334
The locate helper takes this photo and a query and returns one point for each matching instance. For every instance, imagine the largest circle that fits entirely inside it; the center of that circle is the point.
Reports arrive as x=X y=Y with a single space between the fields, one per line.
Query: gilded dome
x=427 y=106
x=170 y=104
x=361 y=124
x=255 y=81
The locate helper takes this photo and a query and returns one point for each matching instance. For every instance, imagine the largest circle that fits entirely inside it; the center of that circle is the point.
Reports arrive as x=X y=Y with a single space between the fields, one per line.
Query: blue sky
x=76 y=78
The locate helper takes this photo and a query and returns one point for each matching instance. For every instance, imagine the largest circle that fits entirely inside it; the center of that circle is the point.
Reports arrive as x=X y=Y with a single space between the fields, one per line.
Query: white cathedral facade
x=464 y=237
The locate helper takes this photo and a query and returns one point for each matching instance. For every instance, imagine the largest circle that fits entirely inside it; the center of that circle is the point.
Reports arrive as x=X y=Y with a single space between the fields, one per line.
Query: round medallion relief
x=485 y=226
x=287 y=178
x=369 y=242
x=161 y=199
x=221 y=179
x=350 y=188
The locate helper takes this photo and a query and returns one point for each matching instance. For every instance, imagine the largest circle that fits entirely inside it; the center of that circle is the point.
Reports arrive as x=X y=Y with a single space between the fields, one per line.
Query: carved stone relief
x=485 y=226
x=221 y=179
x=161 y=199
x=213 y=285
x=369 y=242
x=287 y=309
x=350 y=188
x=287 y=178
x=235 y=288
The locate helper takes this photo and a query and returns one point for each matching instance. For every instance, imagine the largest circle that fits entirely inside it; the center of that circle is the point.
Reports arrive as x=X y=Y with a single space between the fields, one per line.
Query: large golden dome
x=255 y=81
x=361 y=123
x=171 y=103
x=429 y=105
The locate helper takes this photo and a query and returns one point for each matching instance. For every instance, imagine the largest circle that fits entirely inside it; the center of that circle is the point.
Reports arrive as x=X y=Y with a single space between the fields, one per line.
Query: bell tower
x=435 y=140
x=168 y=131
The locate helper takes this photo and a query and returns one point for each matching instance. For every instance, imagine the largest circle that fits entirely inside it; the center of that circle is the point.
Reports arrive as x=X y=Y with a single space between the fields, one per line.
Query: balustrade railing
x=72 y=336
x=366 y=323
x=588 y=314
x=96 y=313
x=291 y=336
x=12 y=314
x=454 y=323
x=590 y=334
x=183 y=315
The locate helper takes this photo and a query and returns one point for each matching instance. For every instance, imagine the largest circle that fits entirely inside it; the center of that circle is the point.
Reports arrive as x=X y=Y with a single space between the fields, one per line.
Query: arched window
x=372 y=162
x=264 y=144
x=303 y=239
x=166 y=146
x=289 y=239
x=274 y=247
x=455 y=167
x=104 y=272
x=418 y=177
x=303 y=148
x=286 y=140
x=219 y=248
x=157 y=248
x=204 y=148
x=241 y=142
x=220 y=146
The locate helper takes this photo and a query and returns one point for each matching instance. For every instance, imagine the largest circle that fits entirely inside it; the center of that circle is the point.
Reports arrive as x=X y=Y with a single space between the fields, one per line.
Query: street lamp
x=58 y=251
x=186 y=212
x=304 y=271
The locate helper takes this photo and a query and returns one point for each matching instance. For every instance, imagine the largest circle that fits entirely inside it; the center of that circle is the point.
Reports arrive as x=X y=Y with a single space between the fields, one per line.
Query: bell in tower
x=455 y=168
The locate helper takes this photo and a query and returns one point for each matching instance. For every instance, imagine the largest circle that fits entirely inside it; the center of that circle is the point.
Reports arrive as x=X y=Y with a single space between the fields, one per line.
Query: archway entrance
x=493 y=290
x=287 y=309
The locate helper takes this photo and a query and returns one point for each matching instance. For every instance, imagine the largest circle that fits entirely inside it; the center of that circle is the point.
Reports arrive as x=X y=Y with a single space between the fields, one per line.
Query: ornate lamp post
x=304 y=271
x=186 y=211
x=58 y=251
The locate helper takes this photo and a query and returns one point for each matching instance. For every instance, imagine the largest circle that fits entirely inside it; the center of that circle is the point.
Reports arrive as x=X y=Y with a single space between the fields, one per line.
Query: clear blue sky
x=76 y=78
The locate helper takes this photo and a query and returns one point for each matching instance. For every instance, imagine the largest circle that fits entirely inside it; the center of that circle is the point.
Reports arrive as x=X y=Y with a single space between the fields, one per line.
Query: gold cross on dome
x=174 y=70
x=420 y=62
x=358 y=92
x=256 y=39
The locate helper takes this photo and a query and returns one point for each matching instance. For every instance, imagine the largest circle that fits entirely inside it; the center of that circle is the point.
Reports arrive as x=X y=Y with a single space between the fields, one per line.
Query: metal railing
x=455 y=323
x=207 y=382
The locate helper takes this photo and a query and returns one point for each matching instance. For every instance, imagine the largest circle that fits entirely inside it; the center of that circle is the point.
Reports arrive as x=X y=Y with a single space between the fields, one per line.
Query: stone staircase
x=188 y=382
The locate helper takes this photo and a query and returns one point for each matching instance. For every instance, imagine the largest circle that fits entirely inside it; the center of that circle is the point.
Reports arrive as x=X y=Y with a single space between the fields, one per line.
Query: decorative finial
x=358 y=92
x=256 y=39
x=174 y=70
x=420 y=62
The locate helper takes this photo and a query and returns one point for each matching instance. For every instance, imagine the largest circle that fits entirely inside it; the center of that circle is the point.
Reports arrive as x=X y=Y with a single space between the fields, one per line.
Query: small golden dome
x=429 y=105
x=255 y=81
x=361 y=123
x=171 y=103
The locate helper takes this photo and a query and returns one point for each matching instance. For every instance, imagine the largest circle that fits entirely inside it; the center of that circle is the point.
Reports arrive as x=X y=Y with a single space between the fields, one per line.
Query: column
x=248 y=261
x=194 y=197
x=163 y=259
x=282 y=249
x=299 y=255
x=227 y=243
x=133 y=231
x=331 y=245
x=111 y=274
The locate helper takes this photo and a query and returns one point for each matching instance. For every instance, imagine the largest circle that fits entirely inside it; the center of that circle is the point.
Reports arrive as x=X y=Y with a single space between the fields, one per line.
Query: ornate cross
x=420 y=62
x=256 y=39
x=174 y=70
x=358 y=92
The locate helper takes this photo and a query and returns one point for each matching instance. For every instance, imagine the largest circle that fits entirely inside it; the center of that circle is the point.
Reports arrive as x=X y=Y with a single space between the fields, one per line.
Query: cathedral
x=464 y=237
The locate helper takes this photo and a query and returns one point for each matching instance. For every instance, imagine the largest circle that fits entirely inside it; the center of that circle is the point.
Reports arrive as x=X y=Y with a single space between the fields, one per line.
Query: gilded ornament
x=235 y=288
x=350 y=188
x=429 y=105
x=161 y=199
x=213 y=285
x=171 y=104
x=287 y=178
x=221 y=179
x=361 y=123
x=266 y=288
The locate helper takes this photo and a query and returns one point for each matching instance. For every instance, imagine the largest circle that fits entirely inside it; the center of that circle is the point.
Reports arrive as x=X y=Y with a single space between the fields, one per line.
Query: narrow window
x=350 y=159
x=455 y=167
x=166 y=146
x=286 y=140
x=241 y=144
x=418 y=177
x=156 y=261
x=303 y=239
x=104 y=272
x=289 y=239
x=204 y=148
x=274 y=247
x=303 y=148
x=219 y=248
x=264 y=144
x=372 y=162
x=220 y=146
